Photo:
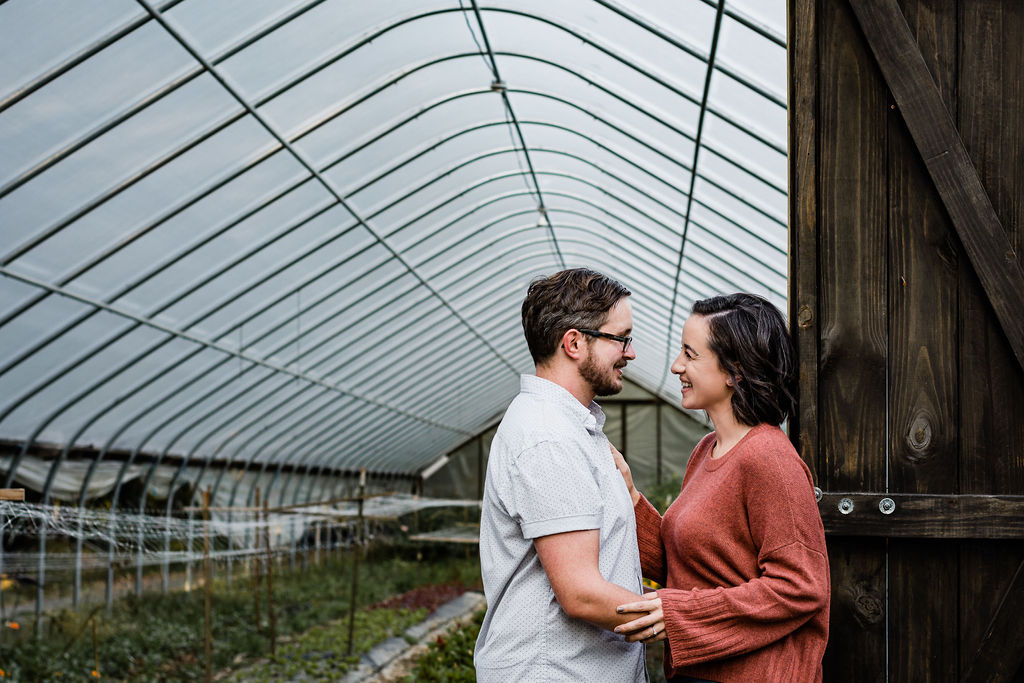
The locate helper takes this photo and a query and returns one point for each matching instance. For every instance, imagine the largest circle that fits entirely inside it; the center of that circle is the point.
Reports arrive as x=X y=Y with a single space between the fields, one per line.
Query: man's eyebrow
x=690 y=349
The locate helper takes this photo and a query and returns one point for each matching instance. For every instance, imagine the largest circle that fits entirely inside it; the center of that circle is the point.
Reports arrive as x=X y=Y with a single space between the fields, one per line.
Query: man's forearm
x=595 y=600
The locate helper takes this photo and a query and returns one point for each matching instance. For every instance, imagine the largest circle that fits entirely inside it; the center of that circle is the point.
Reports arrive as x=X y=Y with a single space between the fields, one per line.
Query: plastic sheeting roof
x=300 y=233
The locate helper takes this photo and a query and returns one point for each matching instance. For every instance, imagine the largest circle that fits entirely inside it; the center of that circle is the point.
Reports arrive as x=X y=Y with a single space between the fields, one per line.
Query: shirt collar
x=591 y=417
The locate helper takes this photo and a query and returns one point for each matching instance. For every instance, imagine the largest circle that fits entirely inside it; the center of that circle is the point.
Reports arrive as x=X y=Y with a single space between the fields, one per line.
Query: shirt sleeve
x=554 y=491
x=648 y=537
x=792 y=584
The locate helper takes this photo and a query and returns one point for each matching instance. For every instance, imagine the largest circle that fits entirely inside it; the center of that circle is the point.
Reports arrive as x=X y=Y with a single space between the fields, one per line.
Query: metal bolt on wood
x=887 y=506
x=846 y=506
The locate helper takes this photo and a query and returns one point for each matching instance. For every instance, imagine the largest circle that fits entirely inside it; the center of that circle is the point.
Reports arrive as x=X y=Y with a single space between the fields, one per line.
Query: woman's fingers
x=638 y=625
x=644 y=629
x=648 y=605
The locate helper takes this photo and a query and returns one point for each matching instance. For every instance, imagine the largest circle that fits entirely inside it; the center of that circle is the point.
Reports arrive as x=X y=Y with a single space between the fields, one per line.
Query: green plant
x=661 y=495
x=160 y=637
x=450 y=657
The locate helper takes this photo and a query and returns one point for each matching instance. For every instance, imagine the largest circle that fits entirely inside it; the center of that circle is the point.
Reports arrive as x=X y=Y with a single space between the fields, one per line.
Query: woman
x=741 y=551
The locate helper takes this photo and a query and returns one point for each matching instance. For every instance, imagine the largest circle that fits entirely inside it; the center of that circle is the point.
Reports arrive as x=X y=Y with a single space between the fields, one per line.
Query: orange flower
x=14 y=625
x=95 y=673
x=2 y=674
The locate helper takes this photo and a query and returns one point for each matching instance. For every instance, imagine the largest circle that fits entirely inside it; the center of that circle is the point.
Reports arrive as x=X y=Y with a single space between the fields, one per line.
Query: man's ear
x=572 y=344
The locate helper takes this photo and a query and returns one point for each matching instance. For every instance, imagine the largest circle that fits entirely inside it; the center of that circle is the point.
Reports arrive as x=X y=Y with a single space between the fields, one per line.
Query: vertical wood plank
x=923 y=322
x=802 y=57
x=852 y=317
x=991 y=122
x=852 y=257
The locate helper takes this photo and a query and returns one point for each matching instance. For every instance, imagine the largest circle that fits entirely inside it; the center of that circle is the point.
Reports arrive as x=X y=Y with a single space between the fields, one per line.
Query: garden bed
x=160 y=637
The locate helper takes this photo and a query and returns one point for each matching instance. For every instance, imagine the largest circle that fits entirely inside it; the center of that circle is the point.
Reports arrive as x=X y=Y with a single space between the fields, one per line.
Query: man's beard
x=604 y=382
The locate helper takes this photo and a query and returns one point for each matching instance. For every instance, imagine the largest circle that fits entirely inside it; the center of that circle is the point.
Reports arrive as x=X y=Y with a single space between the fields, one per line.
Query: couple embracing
x=565 y=536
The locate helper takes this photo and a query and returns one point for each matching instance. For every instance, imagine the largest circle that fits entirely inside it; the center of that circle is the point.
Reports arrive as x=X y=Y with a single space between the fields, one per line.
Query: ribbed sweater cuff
x=696 y=629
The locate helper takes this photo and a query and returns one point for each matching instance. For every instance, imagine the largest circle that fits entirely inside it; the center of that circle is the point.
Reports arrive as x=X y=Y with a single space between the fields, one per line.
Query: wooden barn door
x=907 y=305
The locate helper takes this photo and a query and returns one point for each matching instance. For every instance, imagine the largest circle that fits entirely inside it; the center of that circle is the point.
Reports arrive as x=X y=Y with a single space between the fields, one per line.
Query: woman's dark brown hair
x=749 y=336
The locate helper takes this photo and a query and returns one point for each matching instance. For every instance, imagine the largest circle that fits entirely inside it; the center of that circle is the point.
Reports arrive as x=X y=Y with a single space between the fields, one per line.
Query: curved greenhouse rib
x=281 y=140
x=501 y=258
x=647 y=26
x=689 y=201
x=188 y=337
x=96 y=260
x=499 y=86
x=285 y=322
x=581 y=160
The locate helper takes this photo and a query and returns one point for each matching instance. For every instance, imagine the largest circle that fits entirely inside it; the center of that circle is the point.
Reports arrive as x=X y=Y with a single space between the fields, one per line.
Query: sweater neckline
x=712 y=464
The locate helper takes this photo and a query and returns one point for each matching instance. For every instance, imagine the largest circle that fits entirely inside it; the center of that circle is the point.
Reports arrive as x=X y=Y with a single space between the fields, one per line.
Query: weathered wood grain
x=857 y=617
x=999 y=652
x=923 y=377
x=985 y=241
x=12 y=494
x=802 y=57
x=991 y=392
x=924 y=515
x=851 y=326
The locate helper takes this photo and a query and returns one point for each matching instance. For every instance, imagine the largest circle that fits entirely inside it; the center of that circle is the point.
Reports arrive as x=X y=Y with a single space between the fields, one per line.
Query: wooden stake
x=270 y=581
x=255 y=567
x=355 y=562
x=207 y=588
x=95 y=646
x=12 y=494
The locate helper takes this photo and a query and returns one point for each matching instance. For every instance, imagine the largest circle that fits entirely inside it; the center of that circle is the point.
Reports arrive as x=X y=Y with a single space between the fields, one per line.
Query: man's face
x=602 y=368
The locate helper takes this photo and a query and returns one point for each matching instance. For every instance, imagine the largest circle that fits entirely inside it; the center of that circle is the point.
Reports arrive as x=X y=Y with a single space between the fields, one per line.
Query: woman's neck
x=728 y=432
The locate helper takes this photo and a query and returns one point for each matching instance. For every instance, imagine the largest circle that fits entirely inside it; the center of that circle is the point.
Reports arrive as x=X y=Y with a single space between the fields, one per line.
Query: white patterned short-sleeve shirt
x=551 y=471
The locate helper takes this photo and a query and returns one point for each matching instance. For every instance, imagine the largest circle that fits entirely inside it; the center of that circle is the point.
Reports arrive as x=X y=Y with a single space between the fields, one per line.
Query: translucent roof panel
x=298 y=234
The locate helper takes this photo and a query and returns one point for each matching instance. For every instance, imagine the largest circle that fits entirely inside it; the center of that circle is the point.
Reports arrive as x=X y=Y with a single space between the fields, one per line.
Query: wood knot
x=867 y=603
x=919 y=439
x=804 y=317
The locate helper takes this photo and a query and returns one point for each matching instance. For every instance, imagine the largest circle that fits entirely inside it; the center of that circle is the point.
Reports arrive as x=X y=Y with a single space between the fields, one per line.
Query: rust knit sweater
x=741 y=553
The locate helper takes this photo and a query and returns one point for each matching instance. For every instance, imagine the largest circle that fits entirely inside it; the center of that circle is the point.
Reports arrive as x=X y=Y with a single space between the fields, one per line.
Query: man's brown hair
x=570 y=299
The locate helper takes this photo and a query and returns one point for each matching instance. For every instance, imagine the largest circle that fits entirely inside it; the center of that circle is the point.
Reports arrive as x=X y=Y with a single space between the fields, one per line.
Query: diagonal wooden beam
x=1001 y=651
x=948 y=163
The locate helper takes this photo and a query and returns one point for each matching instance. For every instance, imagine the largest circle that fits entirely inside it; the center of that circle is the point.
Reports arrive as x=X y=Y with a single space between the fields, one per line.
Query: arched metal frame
x=303 y=305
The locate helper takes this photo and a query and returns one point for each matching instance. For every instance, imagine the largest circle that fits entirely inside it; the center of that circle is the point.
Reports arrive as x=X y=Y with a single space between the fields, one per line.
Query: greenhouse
x=263 y=268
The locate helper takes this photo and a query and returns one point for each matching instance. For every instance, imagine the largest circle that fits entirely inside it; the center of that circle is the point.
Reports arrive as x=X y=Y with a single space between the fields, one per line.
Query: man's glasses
x=625 y=341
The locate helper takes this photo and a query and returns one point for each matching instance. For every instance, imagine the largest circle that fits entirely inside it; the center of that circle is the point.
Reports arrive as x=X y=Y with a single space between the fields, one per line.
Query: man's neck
x=570 y=380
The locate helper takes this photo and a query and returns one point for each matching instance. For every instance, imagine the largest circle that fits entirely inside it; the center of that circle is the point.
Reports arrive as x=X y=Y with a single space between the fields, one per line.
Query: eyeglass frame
x=625 y=341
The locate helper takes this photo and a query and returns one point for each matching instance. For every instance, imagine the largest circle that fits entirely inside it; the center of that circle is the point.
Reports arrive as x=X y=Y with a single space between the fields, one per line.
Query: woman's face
x=705 y=385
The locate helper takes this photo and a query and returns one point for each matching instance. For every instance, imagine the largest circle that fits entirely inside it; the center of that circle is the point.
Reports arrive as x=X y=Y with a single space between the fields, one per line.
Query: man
x=558 y=549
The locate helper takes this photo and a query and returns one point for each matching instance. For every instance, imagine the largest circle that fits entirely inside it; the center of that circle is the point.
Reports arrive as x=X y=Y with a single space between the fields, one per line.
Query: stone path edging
x=388 y=660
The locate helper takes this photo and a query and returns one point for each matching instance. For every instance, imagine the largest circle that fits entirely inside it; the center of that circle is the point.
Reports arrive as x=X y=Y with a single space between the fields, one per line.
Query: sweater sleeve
x=648 y=537
x=711 y=624
x=792 y=581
